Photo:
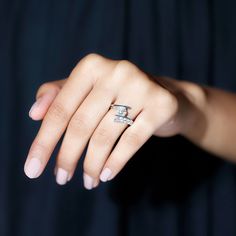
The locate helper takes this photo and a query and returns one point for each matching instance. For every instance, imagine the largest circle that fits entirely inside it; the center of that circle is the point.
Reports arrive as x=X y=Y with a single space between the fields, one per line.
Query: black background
x=170 y=187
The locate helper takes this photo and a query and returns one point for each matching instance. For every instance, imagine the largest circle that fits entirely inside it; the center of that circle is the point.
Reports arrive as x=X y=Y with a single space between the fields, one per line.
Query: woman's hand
x=80 y=107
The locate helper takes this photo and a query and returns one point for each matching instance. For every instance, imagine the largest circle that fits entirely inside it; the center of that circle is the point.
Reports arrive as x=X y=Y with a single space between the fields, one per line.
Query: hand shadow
x=168 y=168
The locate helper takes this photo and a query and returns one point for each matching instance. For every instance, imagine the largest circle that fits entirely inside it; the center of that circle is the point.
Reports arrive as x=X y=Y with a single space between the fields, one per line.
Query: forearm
x=211 y=122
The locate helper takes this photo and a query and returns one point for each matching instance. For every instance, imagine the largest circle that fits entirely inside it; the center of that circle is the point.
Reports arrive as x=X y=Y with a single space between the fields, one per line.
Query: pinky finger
x=44 y=98
x=130 y=142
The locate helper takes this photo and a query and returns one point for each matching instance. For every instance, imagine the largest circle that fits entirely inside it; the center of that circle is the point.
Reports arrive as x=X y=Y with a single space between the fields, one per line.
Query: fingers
x=79 y=130
x=129 y=143
x=108 y=132
x=101 y=144
x=136 y=135
x=56 y=120
x=79 y=108
x=44 y=98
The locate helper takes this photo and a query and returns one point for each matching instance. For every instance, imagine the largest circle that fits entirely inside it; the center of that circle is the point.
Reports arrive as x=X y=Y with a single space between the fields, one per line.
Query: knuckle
x=132 y=139
x=47 y=87
x=38 y=146
x=101 y=136
x=58 y=112
x=80 y=124
x=92 y=56
x=90 y=60
x=44 y=86
x=125 y=70
x=123 y=66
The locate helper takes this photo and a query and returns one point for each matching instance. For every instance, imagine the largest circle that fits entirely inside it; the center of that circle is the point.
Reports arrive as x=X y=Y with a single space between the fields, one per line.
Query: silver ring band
x=122 y=114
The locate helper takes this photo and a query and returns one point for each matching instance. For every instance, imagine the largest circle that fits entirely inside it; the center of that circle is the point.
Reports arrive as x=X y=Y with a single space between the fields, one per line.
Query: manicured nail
x=61 y=176
x=96 y=183
x=105 y=175
x=88 y=182
x=34 y=107
x=32 y=169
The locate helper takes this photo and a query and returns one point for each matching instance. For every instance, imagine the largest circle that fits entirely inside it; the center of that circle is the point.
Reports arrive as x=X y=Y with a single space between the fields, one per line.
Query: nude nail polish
x=61 y=176
x=32 y=168
x=105 y=175
x=88 y=182
x=96 y=183
x=34 y=107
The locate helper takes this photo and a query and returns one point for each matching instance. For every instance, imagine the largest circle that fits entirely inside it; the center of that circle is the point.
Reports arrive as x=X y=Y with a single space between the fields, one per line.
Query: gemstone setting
x=122 y=114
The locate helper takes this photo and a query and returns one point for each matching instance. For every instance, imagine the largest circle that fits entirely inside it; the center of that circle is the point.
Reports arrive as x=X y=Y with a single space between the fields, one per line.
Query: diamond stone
x=124 y=120
x=122 y=111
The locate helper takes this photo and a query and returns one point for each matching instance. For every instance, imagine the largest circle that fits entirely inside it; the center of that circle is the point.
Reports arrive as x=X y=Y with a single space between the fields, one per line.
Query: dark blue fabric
x=170 y=187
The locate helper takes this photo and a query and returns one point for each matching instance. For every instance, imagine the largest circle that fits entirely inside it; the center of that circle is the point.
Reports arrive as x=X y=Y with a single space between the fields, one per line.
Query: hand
x=80 y=107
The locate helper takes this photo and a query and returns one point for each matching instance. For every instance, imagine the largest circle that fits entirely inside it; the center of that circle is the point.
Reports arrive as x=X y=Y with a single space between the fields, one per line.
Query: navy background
x=170 y=187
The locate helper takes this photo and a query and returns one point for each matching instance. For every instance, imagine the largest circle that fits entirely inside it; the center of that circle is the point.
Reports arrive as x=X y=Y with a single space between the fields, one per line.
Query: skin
x=79 y=107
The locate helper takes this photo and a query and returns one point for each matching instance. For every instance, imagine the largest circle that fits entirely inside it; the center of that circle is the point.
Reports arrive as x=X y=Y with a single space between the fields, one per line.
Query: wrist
x=190 y=118
x=192 y=111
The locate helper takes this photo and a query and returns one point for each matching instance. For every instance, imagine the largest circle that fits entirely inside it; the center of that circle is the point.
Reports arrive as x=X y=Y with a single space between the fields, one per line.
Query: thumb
x=44 y=98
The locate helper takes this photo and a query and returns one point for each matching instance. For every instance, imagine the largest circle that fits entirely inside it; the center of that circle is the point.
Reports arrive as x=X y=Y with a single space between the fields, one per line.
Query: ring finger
x=103 y=141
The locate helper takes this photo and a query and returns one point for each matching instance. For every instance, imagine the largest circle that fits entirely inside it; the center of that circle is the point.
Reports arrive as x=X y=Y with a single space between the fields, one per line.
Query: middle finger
x=79 y=130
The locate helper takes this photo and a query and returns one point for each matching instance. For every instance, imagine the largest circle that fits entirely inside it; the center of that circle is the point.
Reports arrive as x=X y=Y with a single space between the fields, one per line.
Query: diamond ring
x=122 y=114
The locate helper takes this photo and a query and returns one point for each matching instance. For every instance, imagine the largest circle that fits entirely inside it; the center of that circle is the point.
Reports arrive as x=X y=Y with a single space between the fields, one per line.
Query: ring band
x=122 y=114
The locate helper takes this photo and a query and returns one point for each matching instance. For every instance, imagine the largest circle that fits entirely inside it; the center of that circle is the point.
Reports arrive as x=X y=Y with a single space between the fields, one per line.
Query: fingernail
x=34 y=107
x=88 y=182
x=61 y=176
x=105 y=175
x=32 y=169
x=96 y=183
